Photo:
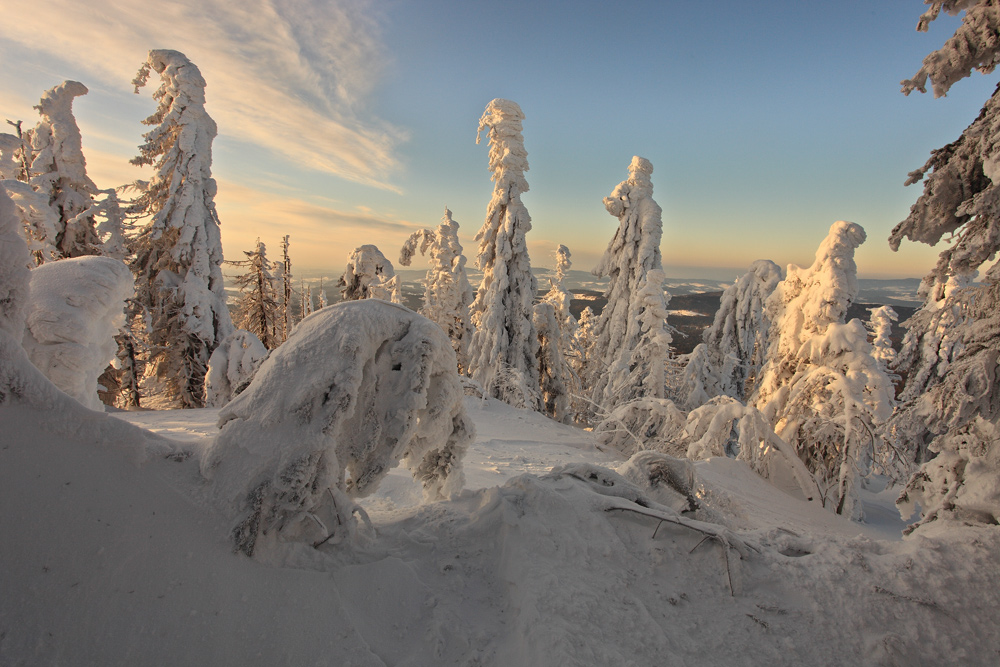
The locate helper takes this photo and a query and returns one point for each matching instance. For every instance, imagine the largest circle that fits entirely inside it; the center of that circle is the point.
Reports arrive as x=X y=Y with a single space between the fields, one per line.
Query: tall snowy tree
x=553 y=371
x=257 y=306
x=952 y=399
x=561 y=298
x=285 y=270
x=504 y=349
x=447 y=292
x=880 y=324
x=179 y=253
x=58 y=171
x=369 y=275
x=821 y=388
x=631 y=338
x=729 y=359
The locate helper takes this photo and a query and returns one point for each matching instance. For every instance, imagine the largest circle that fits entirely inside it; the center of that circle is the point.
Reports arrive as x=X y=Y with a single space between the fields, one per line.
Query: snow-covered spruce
x=39 y=221
x=232 y=367
x=447 y=292
x=58 y=171
x=504 y=349
x=880 y=325
x=821 y=389
x=75 y=307
x=553 y=371
x=178 y=255
x=358 y=387
x=632 y=341
x=257 y=308
x=561 y=298
x=369 y=275
x=14 y=274
x=729 y=360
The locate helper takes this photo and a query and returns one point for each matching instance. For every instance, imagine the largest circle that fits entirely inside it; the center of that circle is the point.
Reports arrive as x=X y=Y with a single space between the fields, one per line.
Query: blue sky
x=345 y=122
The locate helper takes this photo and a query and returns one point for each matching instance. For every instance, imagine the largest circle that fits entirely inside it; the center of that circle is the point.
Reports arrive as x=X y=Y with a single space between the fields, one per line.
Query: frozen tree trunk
x=59 y=172
x=358 y=388
x=447 y=292
x=504 y=350
x=369 y=275
x=631 y=338
x=178 y=255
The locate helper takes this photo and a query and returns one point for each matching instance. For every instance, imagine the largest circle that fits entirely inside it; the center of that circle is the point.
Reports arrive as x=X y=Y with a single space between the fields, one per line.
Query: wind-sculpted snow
x=75 y=307
x=232 y=366
x=358 y=388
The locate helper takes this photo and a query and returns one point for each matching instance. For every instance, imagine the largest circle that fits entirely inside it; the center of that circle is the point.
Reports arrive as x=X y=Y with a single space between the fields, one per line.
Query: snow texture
x=821 y=389
x=974 y=46
x=178 y=255
x=357 y=388
x=631 y=344
x=58 y=171
x=232 y=367
x=504 y=349
x=75 y=307
x=447 y=292
x=369 y=275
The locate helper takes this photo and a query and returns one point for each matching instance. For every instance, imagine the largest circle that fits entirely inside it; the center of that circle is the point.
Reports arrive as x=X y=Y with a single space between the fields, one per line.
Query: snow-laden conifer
x=880 y=325
x=39 y=221
x=14 y=259
x=729 y=359
x=821 y=389
x=285 y=271
x=504 y=349
x=561 y=298
x=553 y=371
x=369 y=275
x=178 y=255
x=257 y=305
x=58 y=171
x=447 y=292
x=631 y=338
x=9 y=160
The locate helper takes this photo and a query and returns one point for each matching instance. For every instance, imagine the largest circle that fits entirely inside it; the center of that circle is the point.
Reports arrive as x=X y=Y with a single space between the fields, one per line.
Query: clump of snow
x=369 y=275
x=356 y=389
x=75 y=307
x=232 y=367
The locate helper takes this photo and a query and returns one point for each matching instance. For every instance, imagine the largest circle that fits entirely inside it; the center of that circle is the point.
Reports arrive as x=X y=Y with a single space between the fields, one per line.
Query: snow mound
x=74 y=309
x=356 y=389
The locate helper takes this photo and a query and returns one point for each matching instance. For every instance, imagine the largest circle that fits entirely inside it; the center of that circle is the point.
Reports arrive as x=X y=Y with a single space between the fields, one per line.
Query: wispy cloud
x=292 y=76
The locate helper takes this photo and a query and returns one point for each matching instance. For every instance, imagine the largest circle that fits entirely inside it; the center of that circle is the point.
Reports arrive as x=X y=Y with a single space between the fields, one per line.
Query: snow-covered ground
x=108 y=560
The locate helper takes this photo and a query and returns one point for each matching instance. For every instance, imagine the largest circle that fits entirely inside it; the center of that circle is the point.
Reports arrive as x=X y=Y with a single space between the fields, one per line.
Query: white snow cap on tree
x=357 y=388
x=75 y=307
x=734 y=346
x=632 y=337
x=232 y=367
x=821 y=389
x=880 y=324
x=14 y=273
x=504 y=349
x=447 y=292
x=369 y=275
x=179 y=254
x=58 y=170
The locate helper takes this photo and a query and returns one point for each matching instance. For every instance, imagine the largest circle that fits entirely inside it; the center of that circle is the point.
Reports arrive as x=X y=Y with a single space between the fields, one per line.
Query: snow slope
x=106 y=560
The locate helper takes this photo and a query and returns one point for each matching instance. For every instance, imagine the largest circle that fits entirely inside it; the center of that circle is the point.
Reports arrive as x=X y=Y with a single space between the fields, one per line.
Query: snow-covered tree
x=631 y=338
x=358 y=388
x=178 y=255
x=553 y=371
x=821 y=389
x=561 y=298
x=285 y=271
x=321 y=301
x=39 y=221
x=232 y=367
x=880 y=325
x=447 y=292
x=58 y=171
x=14 y=258
x=950 y=410
x=504 y=349
x=10 y=163
x=257 y=305
x=728 y=361
x=369 y=275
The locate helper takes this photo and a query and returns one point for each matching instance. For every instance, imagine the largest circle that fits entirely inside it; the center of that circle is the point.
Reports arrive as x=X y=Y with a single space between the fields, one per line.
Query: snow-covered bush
x=232 y=367
x=58 y=171
x=369 y=275
x=553 y=371
x=821 y=389
x=645 y=423
x=178 y=255
x=631 y=338
x=357 y=388
x=728 y=361
x=504 y=347
x=447 y=292
x=75 y=307
x=667 y=480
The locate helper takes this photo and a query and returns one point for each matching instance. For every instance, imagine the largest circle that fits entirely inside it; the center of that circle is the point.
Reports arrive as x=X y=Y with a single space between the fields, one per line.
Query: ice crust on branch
x=178 y=255
x=631 y=336
x=75 y=307
x=369 y=275
x=504 y=349
x=358 y=387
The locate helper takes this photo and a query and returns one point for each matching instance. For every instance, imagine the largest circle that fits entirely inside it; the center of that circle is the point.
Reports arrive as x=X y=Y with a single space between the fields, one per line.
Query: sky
x=343 y=122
